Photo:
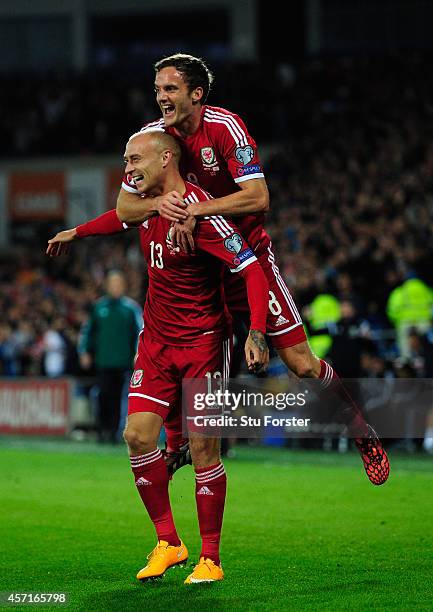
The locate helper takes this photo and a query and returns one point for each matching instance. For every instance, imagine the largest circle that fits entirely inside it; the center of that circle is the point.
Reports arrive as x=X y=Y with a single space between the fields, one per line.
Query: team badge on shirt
x=210 y=162
x=207 y=155
x=168 y=241
x=136 y=378
x=244 y=154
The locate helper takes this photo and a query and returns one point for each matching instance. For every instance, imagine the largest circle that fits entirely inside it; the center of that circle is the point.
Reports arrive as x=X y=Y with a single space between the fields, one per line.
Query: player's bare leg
x=302 y=361
x=204 y=451
x=210 y=493
x=176 y=453
x=151 y=479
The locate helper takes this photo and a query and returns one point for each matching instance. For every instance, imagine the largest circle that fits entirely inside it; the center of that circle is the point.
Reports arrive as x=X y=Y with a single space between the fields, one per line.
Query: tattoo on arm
x=259 y=339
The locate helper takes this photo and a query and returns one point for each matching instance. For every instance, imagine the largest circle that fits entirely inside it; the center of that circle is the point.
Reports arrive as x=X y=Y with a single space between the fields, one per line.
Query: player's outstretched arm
x=106 y=224
x=59 y=244
x=253 y=198
x=133 y=208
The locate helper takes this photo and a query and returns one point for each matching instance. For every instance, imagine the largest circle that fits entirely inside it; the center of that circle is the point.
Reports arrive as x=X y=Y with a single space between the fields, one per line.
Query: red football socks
x=210 y=495
x=351 y=412
x=151 y=480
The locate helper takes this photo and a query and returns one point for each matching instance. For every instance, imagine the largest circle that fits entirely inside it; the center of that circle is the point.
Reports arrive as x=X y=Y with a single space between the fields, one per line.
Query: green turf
x=302 y=531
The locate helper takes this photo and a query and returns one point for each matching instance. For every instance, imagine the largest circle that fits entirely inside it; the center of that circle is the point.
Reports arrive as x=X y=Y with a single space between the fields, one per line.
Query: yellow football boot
x=205 y=571
x=161 y=558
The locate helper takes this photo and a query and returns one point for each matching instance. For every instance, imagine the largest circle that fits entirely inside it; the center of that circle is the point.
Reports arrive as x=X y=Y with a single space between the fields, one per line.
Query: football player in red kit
x=219 y=154
x=187 y=334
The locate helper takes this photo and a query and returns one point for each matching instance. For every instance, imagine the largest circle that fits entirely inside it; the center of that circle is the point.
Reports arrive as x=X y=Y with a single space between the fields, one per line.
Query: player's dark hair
x=193 y=69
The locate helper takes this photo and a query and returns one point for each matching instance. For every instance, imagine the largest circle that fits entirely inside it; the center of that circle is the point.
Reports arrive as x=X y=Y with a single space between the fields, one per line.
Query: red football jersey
x=218 y=156
x=185 y=298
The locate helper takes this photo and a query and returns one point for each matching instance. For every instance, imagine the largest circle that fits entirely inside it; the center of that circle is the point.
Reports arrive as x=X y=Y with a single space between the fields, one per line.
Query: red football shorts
x=156 y=383
x=284 y=324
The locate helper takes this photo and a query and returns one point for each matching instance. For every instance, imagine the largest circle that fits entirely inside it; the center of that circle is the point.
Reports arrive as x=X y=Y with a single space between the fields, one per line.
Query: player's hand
x=59 y=245
x=182 y=235
x=256 y=351
x=171 y=206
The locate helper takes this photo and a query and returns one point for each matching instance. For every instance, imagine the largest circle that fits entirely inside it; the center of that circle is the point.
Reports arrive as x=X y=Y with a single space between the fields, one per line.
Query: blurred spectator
x=8 y=352
x=322 y=315
x=374 y=366
x=109 y=341
x=421 y=353
x=410 y=306
x=54 y=349
x=350 y=338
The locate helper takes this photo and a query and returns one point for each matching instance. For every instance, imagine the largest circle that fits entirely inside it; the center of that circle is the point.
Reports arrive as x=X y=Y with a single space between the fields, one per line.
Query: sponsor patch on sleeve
x=241 y=257
x=246 y=170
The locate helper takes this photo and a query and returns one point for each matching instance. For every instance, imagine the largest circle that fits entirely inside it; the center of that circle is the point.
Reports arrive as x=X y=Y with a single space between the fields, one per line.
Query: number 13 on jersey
x=156 y=255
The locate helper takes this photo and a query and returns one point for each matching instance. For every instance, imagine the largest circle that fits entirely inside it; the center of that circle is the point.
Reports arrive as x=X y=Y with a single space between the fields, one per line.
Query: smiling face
x=145 y=163
x=177 y=103
x=152 y=160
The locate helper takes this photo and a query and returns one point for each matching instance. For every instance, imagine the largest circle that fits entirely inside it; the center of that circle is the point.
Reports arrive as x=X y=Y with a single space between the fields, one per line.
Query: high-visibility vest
x=411 y=302
x=324 y=310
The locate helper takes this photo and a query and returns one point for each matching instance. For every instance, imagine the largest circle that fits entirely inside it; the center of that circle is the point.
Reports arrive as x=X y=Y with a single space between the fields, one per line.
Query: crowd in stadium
x=349 y=166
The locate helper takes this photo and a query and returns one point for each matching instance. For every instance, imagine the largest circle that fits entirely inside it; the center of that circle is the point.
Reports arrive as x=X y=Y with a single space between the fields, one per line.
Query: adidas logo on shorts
x=141 y=482
x=281 y=320
x=204 y=491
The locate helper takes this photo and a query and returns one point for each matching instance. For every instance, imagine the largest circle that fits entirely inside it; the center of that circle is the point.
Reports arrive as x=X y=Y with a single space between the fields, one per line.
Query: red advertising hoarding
x=35 y=406
x=37 y=196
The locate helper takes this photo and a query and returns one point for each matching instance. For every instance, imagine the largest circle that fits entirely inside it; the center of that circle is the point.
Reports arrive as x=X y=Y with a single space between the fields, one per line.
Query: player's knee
x=139 y=441
x=307 y=366
x=301 y=361
x=304 y=369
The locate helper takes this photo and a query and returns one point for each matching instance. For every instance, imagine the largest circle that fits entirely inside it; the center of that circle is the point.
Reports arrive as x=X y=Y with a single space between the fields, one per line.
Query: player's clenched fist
x=256 y=351
x=59 y=245
x=171 y=206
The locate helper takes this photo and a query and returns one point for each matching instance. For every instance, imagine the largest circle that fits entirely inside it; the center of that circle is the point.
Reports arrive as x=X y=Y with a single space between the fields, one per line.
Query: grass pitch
x=302 y=531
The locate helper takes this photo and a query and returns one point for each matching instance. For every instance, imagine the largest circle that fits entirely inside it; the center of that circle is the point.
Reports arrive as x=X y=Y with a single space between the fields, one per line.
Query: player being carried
x=187 y=334
x=219 y=154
